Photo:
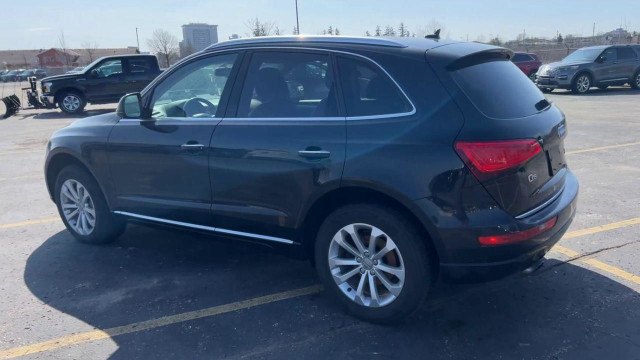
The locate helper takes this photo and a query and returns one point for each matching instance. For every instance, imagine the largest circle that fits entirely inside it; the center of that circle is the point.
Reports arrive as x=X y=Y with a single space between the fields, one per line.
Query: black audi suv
x=389 y=163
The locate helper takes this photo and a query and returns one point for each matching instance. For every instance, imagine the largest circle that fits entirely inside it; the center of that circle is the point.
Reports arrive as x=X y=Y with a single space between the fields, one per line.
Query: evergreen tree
x=367 y=33
x=337 y=31
x=378 y=31
x=389 y=31
x=330 y=30
x=402 y=30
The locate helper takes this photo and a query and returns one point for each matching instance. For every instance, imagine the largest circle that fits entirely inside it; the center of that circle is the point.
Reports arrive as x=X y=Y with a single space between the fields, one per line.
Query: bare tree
x=378 y=31
x=259 y=28
x=90 y=49
x=63 y=46
x=389 y=31
x=402 y=30
x=337 y=31
x=276 y=31
x=164 y=44
x=367 y=33
x=186 y=49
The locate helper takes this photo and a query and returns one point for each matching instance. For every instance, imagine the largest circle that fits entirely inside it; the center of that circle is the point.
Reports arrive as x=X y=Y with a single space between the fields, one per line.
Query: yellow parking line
x=598 y=264
x=602 y=148
x=601 y=228
x=155 y=323
x=30 y=222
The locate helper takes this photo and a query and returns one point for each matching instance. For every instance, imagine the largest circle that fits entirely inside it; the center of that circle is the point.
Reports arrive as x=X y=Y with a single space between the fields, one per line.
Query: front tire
x=374 y=262
x=533 y=74
x=83 y=208
x=635 y=81
x=581 y=84
x=71 y=102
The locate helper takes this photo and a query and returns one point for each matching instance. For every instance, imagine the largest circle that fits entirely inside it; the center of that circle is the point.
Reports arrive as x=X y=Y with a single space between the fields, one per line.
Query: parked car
x=75 y=70
x=387 y=173
x=11 y=75
x=106 y=80
x=599 y=66
x=528 y=63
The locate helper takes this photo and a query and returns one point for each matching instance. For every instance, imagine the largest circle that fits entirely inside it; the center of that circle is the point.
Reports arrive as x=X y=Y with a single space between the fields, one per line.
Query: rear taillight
x=486 y=158
x=518 y=236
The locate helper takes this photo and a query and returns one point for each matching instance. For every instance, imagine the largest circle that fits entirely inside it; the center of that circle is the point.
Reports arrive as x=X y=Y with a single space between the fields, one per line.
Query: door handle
x=192 y=146
x=314 y=154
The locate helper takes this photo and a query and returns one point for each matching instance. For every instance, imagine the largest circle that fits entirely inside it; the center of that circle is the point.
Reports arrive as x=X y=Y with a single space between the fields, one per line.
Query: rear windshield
x=500 y=90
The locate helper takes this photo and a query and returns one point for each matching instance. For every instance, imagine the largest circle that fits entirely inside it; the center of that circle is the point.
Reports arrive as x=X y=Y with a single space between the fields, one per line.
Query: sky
x=112 y=23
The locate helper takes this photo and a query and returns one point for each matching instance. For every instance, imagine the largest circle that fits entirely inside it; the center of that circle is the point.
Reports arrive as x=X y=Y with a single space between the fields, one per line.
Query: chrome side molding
x=206 y=228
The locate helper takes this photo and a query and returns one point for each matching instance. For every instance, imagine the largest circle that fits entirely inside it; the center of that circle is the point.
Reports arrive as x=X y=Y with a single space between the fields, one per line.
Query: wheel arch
x=58 y=161
x=69 y=89
x=364 y=194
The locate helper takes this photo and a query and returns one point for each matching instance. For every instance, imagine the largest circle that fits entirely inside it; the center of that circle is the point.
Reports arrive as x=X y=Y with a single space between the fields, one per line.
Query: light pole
x=137 y=40
x=297 y=21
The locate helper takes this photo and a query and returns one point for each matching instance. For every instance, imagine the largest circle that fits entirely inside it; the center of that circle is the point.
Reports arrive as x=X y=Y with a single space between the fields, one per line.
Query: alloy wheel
x=366 y=265
x=638 y=79
x=583 y=83
x=77 y=207
x=71 y=102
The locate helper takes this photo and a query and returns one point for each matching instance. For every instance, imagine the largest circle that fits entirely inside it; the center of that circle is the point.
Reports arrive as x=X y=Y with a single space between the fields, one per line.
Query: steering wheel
x=198 y=107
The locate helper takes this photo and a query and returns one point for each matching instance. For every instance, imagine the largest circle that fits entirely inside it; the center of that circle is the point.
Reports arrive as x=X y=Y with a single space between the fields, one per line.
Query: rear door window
x=368 y=91
x=499 y=90
x=626 y=53
x=288 y=85
x=139 y=65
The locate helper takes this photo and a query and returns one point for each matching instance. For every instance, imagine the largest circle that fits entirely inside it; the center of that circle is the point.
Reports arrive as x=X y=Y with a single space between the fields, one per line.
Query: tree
x=259 y=28
x=330 y=30
x=90 y=49
x=186 y=49
x=276 y=31
x=63 y=46
x=496 y=41
x=402 y=30
x=164 y=44
x=337 y=32
x=378 y=31
x=367 y=33
x=559 y=39
x=389 y=31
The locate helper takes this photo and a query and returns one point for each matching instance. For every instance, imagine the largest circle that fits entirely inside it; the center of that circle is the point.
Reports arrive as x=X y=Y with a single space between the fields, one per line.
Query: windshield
x=587 y=55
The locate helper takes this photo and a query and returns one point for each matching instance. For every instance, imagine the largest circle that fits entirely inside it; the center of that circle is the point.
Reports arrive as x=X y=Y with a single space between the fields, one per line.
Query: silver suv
x=598 y=66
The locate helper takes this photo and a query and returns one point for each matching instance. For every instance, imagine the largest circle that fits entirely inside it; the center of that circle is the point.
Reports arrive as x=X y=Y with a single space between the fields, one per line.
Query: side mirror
x=602 y=59
x=94 y=73
x=129 y=106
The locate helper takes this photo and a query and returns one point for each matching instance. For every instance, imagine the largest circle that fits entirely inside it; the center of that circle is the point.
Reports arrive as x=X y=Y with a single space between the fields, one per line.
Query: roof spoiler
x=496 y=54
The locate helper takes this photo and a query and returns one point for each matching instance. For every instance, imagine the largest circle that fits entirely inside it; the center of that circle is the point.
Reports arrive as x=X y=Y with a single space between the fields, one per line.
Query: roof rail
x=309 y=39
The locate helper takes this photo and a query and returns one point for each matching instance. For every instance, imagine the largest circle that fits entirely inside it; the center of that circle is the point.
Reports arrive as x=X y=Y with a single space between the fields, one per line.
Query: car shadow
x=562 y=311
x=614 y=90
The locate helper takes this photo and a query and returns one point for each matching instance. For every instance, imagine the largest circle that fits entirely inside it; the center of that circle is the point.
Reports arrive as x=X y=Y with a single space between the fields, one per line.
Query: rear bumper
x=463 y=259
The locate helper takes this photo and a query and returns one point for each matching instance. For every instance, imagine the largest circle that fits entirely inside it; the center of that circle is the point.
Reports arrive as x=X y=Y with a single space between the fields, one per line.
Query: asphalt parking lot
x=158 y=293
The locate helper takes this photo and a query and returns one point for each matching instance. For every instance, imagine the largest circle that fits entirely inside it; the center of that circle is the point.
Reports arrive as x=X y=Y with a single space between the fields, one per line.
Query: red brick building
x=58 y=57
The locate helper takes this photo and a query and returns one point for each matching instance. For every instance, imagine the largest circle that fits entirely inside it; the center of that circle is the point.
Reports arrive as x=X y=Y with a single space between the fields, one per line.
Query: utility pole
x=593 y=33
x=297 y=21
x=137 y=40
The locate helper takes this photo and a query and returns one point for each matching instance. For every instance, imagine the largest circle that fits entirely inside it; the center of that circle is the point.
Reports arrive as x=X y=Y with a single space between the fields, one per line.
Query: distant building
x=234 y=36
x=55 y=57
x=196 y=37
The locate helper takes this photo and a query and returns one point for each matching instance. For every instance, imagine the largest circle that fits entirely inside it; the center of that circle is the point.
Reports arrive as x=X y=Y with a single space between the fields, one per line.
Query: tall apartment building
x=197 y=36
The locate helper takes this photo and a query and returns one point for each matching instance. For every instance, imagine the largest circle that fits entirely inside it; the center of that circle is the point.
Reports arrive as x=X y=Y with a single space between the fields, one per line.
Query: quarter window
x=368 y=90
x=288 y=85
x=193 y=91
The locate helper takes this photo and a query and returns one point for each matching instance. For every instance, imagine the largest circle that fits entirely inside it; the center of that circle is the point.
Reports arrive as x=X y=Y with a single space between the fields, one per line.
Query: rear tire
x=398 y=254
x=71 y=102
x=635 y=81
x=581 y=84
x=83 y=208
x=547 y=90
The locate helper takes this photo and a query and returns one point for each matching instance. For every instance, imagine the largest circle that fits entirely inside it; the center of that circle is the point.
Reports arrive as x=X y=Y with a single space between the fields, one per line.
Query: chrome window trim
x=364 y=117
x=206 y=228
x=541 y=206
x=309 y=39
x=198 y=121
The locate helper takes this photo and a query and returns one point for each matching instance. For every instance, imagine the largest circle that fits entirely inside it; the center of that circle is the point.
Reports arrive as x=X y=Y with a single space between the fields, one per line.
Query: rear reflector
x=490 y=157
x=518 y=236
